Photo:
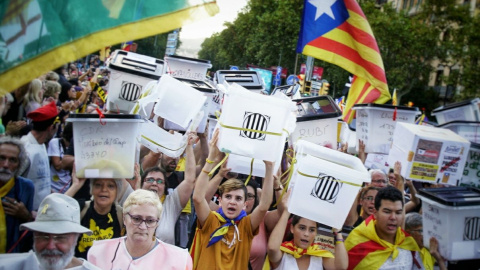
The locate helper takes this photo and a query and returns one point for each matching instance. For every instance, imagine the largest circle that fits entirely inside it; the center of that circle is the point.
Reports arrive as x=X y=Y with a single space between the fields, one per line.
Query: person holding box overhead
x=301 y=252
x=224 y=237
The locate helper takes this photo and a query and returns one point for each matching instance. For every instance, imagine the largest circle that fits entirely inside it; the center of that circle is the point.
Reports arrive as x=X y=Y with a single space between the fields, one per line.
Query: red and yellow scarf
x=313 y=250
x=3 y=222
x=367 y=251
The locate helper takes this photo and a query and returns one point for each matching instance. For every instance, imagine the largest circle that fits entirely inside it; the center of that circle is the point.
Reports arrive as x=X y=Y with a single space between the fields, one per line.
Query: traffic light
x=325 y=88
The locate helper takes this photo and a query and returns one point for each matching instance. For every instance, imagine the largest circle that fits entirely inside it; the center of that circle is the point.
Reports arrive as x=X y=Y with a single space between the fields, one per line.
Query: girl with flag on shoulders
x=301 y=252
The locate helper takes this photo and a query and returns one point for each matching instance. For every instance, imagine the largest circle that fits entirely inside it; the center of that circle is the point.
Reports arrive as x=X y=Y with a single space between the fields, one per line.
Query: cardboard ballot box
x=316 y=121
x=376 y=124
x=325 y=179
x=130 y=73
x=429 y=154
x=467 y=110
x=471 y=172
x=254 y=125
x=467 y=129
x=106 y=147
x=452 y=215
x=186 y=68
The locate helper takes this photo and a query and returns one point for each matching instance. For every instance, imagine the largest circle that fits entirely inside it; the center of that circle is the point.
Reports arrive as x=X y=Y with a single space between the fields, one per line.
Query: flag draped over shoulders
x=367 y=251
x=40 y=35
x=338 y=32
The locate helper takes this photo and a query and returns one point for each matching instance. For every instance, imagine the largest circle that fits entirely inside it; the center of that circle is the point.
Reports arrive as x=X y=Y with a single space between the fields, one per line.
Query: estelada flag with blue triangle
x=338 y=32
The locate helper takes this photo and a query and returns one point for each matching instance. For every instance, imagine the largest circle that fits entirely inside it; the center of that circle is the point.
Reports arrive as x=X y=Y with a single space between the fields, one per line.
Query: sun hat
x=57 y=214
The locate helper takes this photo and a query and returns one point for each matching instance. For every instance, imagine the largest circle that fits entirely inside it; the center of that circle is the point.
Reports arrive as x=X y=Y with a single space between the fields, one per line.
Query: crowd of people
x=56 y=220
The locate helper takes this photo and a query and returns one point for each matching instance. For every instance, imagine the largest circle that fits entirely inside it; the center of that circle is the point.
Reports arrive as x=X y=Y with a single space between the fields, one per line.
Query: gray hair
x=118 y=183
x=373 y=171
x=413 y=220
x=23 y=160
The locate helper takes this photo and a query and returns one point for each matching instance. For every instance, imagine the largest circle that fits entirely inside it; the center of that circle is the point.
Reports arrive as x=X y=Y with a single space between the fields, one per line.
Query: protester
x=52 y=89
x=139 y=249
x=17 y=196
x=44 y=128
x=102 y=215
x=174 y=200
x=61 y=179
x=55 y=231
x=380 y=242
x=34 y=96
x=224 y=238
x=379 y=178
x=414 y=226
x=367 y=203
x=301 y=252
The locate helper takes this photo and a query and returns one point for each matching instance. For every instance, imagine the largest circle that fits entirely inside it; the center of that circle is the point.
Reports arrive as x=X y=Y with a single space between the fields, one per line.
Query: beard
x=54 y=263
x=6 y=174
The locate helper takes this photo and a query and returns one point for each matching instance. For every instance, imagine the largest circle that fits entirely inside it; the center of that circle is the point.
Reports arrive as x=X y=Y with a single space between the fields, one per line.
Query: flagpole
x=296 y=61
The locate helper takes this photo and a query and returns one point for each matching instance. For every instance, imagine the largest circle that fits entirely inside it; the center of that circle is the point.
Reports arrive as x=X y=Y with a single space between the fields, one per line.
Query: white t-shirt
x=171 y=211
x=60 y=178
x=404 y=261
x=289 y=262
x=39 y=171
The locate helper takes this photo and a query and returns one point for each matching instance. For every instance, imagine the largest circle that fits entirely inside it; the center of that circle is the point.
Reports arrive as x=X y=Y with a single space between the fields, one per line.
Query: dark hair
x=68 y=131
x=389 y=193
x=232 y=184
x=252 y=183
x=155 y=169
x=294 y=221
x=43 y=125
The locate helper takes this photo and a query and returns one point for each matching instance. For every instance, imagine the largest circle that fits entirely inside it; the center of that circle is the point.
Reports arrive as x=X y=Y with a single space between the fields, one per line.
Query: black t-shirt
x=103 y=227
x=175 y=179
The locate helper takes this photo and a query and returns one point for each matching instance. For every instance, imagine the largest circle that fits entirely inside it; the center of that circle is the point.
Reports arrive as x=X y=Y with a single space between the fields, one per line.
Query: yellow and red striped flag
x=338 y=32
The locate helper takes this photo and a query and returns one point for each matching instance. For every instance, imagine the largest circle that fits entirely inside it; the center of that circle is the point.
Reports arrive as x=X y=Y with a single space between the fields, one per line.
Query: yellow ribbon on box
x=336 y=180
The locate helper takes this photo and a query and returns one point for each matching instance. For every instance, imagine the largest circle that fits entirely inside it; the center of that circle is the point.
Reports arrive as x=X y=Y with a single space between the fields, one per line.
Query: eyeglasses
x=137 y=220
x=420 y=231
x=45 y=238
x=151 y=180
x=379 y=181
x=250 y=196
x=369 y=198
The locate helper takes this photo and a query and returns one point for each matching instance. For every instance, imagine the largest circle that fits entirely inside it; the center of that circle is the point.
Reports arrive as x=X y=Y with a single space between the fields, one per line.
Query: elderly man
x=379 y=178
x=55 y=234
x=379 y=242
x=17 y=196
x=44 y=128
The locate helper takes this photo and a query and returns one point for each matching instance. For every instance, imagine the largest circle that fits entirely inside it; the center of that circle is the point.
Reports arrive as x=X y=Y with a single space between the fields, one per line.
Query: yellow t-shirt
x=219 y=255
x=181 y=168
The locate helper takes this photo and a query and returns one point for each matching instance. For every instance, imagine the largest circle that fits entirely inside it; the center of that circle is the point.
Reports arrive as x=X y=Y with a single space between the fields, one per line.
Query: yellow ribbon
x=290 y=173
x=336 y=180
x=110 y=219
x=157 y=144
x=251 y=171
x=217 y=114
x=218 y=165
x=3 y=222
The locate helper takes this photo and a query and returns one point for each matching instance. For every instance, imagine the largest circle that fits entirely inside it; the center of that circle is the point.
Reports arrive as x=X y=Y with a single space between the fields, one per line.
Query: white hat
x=57 y=214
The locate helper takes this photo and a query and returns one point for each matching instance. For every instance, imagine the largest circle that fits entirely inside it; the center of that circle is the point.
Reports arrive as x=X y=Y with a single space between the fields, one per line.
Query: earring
x=122 y=232
x=153 y=237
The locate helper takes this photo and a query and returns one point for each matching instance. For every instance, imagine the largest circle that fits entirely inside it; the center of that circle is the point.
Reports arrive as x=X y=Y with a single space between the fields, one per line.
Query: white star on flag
x=323 y=6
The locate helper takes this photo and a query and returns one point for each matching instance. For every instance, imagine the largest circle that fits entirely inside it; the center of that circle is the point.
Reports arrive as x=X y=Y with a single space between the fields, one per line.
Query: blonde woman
x=34 y=96
x=140 y=249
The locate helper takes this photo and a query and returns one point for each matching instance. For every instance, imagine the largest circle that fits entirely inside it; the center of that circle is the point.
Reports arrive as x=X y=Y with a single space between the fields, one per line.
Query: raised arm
x=77 y=184
x=275 y=240
x=201 y=205
x=267 y=195
x=341 y=256
x=186 y=186
x=414 y=200
x=202 y=153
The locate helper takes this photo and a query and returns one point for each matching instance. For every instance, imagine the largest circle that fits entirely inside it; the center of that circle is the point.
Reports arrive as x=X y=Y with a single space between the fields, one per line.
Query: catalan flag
x=127 y=45
x=338 y=32
x=37 y=36
x=367 y=251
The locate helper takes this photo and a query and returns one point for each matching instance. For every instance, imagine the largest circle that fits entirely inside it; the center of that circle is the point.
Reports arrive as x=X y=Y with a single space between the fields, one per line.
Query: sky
x=192 y=35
